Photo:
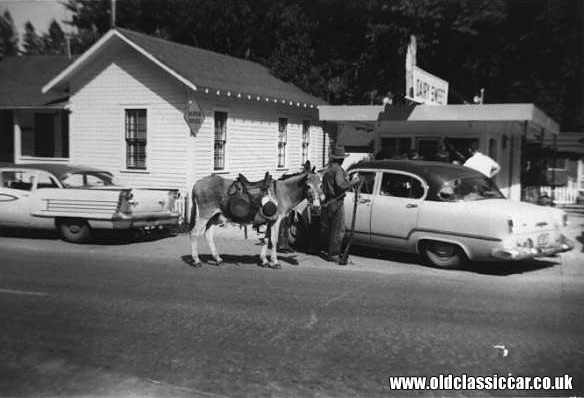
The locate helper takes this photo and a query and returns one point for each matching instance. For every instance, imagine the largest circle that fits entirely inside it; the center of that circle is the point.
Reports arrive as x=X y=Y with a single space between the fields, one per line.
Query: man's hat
x=338 y=152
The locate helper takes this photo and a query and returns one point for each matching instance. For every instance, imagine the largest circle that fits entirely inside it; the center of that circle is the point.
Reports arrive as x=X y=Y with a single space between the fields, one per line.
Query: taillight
x=124 y=205
x=173 y=196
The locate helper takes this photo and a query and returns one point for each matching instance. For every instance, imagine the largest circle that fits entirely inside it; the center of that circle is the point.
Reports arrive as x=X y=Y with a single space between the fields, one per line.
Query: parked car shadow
x=382 y=254
x=232 y=259
x=500 y=268
x=581 y=239
x=29 y=233
x=503 y=268
x=100 y=237
x=113 y=238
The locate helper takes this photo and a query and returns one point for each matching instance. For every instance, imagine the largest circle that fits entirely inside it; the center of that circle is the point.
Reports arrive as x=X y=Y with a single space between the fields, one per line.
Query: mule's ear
x=307 y=166
x=232 y=190
x=313 y=169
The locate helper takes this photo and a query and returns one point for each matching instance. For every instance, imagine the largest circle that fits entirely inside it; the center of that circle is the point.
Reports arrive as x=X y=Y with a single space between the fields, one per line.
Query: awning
x=525 y=118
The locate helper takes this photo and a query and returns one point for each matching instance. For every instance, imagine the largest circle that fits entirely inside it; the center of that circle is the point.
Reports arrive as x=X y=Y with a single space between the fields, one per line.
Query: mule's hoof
x=275 y=266
x=217 y=263
x=197 y=264
x=264 y=264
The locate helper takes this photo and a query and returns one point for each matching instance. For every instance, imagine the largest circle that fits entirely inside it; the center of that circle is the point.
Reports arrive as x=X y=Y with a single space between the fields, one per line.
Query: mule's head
x=313 y=184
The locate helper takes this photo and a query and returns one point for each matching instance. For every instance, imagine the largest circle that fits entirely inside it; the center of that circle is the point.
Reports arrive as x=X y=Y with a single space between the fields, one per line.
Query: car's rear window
x=469 y=189
x=85 y=180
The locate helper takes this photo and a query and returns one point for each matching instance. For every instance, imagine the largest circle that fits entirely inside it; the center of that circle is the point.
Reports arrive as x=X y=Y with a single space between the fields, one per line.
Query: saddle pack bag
x=251 y=201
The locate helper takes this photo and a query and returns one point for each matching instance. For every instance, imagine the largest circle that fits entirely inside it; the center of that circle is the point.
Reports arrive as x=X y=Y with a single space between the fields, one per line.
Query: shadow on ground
x=232 y=259
x=499 y=268
x=100 y=237
x=581 y=239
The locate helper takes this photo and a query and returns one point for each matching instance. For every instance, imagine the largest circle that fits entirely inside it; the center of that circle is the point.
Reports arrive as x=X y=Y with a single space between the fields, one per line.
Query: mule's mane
x=287 y=176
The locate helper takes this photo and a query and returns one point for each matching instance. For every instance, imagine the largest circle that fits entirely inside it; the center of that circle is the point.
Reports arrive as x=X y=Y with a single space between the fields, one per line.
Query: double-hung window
x=305 y=140
x=220 y=140
x=282 y=140
x=136 y=131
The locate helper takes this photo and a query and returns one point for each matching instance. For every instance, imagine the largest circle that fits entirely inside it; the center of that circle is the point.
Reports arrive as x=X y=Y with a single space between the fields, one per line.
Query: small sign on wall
x=194 y=116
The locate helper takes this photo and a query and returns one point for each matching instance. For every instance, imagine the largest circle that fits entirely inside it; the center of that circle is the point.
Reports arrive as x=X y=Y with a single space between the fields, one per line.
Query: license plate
x=543 y=239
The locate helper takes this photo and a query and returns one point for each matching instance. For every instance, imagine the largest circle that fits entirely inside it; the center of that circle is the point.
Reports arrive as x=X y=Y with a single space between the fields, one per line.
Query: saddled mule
x=210 y=192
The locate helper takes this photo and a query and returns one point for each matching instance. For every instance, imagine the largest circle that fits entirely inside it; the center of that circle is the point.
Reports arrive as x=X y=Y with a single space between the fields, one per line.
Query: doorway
x=6 y=137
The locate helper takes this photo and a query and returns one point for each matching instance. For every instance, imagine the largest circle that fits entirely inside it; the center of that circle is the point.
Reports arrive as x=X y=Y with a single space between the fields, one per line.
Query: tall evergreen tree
x=8 y=36
x=33 y=44
x=54 y=39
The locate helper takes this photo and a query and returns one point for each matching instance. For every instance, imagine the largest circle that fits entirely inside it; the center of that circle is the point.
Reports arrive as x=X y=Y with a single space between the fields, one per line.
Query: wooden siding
x=175 y=158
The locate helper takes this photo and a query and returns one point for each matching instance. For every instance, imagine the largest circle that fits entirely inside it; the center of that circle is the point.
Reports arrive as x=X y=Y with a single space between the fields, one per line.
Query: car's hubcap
x=443 y=250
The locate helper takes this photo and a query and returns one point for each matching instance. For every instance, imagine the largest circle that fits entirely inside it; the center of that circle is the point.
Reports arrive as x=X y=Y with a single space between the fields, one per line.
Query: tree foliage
x=354 y=52
x=33 y=44
x=8 y=36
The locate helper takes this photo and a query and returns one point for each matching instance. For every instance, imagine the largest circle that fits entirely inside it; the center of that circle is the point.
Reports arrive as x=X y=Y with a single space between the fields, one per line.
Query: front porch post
x=17 y=138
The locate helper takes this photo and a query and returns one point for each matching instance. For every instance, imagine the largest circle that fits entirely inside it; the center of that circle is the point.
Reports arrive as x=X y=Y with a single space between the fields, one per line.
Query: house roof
x=22 y=77
x=201 y=70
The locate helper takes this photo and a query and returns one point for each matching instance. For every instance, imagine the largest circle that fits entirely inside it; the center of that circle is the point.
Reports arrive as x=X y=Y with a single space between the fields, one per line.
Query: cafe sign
x=194 y=116
x=423 y=87
x=427 y=88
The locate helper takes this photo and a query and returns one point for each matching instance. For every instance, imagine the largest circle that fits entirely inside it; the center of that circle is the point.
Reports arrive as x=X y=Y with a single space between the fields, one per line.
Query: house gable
x=198 y=69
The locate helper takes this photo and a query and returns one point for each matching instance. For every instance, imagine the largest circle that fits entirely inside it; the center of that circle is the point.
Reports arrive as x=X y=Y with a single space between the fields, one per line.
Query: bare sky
x=39 y=12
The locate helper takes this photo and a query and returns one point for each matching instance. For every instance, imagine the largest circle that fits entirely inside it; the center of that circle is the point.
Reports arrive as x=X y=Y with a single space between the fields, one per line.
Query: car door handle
x=364 y=201
x=411 y=205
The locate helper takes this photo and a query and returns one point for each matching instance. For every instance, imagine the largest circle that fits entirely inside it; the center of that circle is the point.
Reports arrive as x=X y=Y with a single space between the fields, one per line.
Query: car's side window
x=73 y=181
x=401 y=186
x=367 y=181
x=46 y=181
x=18 y=179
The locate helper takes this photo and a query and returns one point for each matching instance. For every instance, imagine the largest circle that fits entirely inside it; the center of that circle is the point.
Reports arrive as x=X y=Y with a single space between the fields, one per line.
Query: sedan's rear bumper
x=521 y=253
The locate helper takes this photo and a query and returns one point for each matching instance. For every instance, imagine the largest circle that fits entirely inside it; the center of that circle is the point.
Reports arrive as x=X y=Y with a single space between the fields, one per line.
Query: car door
x=16 y=187
x=363 y=211
x=394 y=213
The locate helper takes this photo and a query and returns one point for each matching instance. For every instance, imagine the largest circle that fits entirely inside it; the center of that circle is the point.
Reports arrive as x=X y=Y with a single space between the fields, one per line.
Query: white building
x=500 y=130
x=124 y=105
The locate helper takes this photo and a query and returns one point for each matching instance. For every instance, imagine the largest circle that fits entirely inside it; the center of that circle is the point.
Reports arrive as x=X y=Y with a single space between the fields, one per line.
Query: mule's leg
x=211 y=243
x=264 y=253
x=274 y=233
x=196 y=233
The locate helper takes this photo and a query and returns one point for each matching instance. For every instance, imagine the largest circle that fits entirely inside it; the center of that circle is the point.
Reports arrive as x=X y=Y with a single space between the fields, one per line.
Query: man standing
x=482 y=163
x=335 y=183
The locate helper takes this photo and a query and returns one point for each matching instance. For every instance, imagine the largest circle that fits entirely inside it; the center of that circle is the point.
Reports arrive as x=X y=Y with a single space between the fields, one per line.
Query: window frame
x=281 y=152
x=305 y=141
x=224 y=141
x=423 y=184
x=133 y=140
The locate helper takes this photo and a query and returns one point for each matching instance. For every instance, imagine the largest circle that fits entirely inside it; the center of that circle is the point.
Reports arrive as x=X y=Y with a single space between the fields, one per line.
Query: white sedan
x=75 y=200
x=449 y=214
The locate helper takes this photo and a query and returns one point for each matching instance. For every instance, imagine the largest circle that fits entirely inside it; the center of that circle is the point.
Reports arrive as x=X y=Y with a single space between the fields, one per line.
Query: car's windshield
x=88 y=179
x=469 y=189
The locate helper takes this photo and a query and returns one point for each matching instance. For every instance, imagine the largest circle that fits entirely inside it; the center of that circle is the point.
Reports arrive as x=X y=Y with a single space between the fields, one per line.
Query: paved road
x=135 y=320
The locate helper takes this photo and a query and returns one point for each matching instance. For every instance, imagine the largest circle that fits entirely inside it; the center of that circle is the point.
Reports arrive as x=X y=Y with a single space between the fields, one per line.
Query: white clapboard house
x=156 y=113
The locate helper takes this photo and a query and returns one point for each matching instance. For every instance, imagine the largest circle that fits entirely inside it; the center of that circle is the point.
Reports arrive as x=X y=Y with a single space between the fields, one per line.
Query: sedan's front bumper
x=521 y=253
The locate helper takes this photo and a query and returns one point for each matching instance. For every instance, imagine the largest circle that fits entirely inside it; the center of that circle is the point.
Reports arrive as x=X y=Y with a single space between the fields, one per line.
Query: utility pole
x=113 y=14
